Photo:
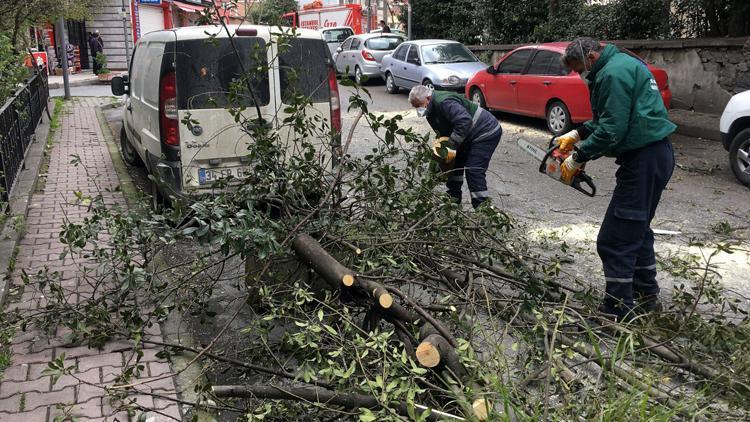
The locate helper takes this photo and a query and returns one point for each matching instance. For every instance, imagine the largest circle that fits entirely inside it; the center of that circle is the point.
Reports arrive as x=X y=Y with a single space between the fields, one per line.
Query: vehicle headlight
x=452 y=80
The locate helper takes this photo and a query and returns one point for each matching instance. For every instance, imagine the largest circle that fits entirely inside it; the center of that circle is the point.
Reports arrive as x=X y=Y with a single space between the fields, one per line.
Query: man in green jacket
x=631 y=124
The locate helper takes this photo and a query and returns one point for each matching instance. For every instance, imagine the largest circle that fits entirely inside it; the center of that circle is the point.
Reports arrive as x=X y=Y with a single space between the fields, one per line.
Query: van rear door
x=305 y=68
x=208 y=72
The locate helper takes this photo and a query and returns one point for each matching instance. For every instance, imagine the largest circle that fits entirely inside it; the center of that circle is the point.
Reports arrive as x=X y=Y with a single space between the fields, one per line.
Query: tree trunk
x=314 y=256
x=317 y=395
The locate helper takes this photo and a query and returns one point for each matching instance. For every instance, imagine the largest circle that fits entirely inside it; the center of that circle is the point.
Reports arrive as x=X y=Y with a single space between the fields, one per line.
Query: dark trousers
x=96 y=66
x=626 y=241
x=472 y=160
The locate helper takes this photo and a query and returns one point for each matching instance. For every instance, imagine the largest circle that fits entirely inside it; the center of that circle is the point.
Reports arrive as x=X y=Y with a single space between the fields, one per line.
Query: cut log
x=318 y=395
x=431 y=349
x=435 y=350
x=481 y=409
x=314 y=256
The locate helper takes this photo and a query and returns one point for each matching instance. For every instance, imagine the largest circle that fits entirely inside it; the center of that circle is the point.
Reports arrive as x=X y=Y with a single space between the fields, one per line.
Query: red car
x=532 y=81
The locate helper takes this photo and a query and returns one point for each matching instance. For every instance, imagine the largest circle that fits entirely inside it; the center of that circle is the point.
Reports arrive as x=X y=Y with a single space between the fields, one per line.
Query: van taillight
x=169 y=124
x=335 y=102
x=368 y=56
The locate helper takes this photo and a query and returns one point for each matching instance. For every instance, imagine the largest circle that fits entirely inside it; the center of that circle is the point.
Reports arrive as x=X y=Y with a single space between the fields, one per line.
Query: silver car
x=360 y=55
x=439 y=64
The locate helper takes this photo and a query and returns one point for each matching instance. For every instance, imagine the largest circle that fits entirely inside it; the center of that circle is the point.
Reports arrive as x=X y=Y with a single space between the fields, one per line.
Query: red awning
x=190 y=8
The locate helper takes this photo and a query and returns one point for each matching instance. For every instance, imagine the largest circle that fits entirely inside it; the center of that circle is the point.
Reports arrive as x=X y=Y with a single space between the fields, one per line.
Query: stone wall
x=107 y=19
x=703 y=73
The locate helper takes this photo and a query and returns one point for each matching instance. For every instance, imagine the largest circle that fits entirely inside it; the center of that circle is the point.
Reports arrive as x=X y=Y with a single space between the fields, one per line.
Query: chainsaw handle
x=585 y=178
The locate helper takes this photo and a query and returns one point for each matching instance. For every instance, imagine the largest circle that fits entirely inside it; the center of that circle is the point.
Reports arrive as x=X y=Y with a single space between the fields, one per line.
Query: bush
x=101 y=60
x=11 y=70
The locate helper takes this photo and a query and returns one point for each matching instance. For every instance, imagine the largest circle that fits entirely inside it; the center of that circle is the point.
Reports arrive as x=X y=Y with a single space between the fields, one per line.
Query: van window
x=383 y=43
x=208 y=69
x=137 y=66
x=153 y=68
x=303 y=70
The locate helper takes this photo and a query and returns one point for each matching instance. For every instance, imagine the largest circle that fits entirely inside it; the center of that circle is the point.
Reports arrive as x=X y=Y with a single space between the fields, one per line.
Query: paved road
x=702 y=194
x=84 y=91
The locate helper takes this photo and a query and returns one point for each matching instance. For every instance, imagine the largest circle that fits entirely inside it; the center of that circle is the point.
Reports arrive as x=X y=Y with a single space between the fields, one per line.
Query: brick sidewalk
x=25 y=393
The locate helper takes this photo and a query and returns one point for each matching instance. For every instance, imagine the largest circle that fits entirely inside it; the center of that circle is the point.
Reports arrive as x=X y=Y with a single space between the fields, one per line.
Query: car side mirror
x=119 y=85
x=416 y=62
x=339 y=50
x=491 y=70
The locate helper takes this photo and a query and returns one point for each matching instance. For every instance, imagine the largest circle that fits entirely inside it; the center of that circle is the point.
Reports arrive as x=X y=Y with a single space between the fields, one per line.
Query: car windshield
x=337 y=35
x=383 y=43
x=446 y=53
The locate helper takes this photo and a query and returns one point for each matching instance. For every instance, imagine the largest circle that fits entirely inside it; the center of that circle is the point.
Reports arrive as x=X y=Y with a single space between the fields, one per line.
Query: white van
x=187 y=72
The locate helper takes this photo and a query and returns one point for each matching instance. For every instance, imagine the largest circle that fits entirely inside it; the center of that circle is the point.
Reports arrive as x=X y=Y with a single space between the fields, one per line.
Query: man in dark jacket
x=631 y=124
x=95 y=46
x=473 y=134
x=384 y=27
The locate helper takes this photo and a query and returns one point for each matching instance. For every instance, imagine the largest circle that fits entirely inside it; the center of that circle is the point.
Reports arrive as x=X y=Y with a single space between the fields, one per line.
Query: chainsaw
x=550 y=162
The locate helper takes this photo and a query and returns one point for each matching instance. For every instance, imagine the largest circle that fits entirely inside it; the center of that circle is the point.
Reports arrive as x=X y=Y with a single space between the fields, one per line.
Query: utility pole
x=125 y=33
x=369 y=15
x=62 y=43
x=408 y=20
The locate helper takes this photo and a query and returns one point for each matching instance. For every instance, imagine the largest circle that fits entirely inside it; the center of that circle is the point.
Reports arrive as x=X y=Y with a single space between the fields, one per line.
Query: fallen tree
x=360 y=291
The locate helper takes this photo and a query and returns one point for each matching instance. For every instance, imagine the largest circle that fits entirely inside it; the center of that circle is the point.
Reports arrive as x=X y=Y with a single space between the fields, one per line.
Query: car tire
x=358 y=76
x=129 y=154
x=390 y=84
x=558 y=118
x=477 y=97
x=428 y=83
x=739 y=156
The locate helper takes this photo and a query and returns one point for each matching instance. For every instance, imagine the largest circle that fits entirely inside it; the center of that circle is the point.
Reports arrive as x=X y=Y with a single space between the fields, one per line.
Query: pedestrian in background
x=96 y=45
x=630 y=123
x=468 y=132
x=384 y=27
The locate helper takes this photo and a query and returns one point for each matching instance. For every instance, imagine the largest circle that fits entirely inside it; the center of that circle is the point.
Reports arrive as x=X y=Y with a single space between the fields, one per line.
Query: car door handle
x=548 y=83
x=512 y=82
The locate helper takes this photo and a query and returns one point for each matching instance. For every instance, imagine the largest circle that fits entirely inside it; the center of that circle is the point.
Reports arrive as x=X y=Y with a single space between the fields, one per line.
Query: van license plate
x=207 y=176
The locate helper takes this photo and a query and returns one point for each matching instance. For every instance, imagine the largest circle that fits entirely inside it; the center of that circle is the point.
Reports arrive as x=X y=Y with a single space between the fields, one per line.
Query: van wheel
x=477 y=97
x=739 y=156
x=129 y=154
x=558 y=118
x=390 y=84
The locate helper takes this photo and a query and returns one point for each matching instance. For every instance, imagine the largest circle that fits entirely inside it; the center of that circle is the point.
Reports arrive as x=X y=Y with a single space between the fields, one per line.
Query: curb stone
x=20 y=197
x=187 y=377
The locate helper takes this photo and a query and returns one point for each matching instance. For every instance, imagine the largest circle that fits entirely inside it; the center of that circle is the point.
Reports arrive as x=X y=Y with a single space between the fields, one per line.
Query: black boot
x=648 y=303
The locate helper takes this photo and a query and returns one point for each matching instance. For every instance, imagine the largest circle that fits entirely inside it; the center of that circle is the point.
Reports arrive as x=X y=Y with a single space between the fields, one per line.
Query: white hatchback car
x=188 y=72
x=735 y=135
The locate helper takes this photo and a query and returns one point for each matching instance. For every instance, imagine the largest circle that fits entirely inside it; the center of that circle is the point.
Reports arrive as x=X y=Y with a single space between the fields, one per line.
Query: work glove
x=567 y=141
x=443 y=149
x=569 y=169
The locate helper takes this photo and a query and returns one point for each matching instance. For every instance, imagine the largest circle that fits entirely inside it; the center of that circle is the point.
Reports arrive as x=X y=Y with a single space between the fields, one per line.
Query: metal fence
x=19 y=117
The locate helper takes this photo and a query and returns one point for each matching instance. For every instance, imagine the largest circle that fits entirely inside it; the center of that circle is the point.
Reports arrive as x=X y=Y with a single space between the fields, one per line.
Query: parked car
x=735 y=135
x=360 y=55
x=439 y=64
x=393 y=31
x=532 y=81
x=187 y=72
x=335 y=36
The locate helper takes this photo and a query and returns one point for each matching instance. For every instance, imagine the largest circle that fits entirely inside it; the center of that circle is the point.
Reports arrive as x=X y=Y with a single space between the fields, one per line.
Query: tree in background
x=17 y=15
x=513 y=21
x=270 y=11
